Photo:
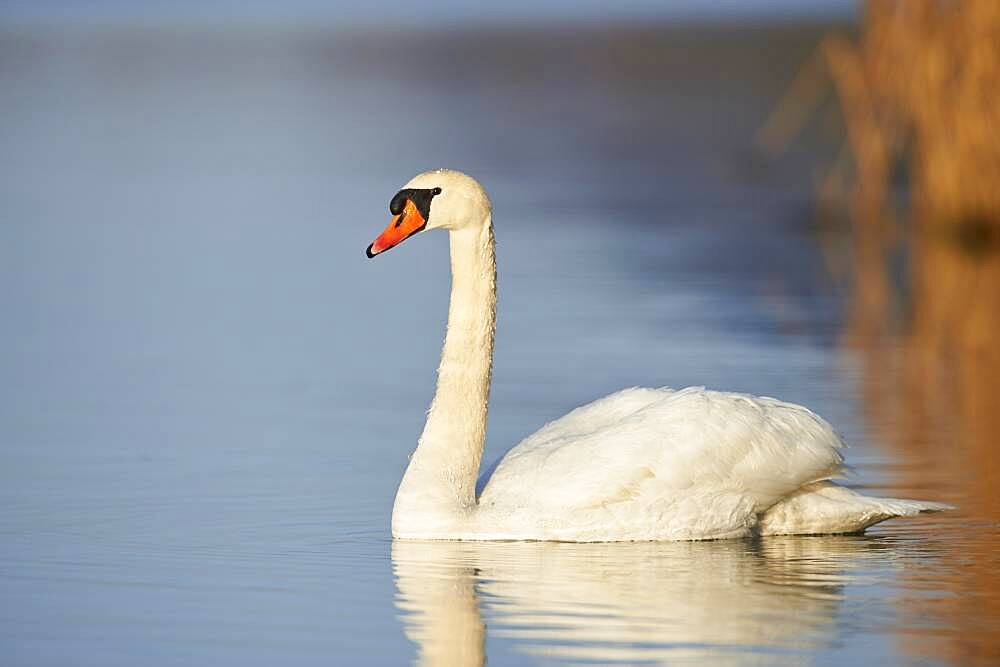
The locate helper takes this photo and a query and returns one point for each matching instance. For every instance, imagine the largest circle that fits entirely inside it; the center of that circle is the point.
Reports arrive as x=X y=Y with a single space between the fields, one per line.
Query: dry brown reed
x=919 y=93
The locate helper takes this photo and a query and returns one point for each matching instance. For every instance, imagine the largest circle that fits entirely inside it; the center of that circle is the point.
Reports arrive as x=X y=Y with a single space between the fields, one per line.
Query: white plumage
x=651 y=464
x=640 y=464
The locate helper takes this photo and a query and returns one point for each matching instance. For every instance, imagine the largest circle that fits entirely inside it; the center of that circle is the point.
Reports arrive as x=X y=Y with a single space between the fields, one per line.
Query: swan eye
x=436 y=191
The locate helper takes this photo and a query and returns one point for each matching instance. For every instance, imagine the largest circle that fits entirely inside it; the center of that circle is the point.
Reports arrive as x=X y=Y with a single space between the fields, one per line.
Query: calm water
x=201 y=429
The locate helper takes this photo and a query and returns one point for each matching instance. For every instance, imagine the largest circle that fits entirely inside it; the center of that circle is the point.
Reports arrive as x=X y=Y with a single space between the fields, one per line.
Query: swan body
x=640 y=464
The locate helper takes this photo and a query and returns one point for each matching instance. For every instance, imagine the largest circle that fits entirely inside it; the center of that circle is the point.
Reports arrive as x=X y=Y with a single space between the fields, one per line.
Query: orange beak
x=402 y=227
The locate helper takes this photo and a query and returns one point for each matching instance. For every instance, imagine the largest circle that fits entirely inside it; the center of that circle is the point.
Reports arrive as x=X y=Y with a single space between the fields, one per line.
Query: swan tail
x=828 y=508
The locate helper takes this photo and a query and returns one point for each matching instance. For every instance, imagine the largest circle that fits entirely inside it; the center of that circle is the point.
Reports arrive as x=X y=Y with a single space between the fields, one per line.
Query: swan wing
x=585 y=420
x=658 y=463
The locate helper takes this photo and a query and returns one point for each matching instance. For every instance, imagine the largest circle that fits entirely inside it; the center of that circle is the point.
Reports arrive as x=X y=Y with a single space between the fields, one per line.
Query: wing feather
x=670 y=451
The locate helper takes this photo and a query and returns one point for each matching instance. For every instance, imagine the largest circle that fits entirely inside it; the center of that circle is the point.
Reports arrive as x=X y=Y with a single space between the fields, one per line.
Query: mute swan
x=640 y=464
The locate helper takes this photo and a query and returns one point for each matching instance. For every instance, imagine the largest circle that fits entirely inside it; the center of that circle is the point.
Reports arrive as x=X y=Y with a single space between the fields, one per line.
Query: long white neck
x=439 y=487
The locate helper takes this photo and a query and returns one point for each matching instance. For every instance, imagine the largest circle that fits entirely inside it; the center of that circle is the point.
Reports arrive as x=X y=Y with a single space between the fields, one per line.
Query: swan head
x=441 y=198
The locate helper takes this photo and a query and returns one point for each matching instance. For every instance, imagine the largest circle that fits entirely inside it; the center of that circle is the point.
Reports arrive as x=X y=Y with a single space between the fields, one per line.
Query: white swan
x=640 y=464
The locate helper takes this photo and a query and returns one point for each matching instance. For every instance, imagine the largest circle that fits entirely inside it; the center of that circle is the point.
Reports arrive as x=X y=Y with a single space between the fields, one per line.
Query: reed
x=919 y=94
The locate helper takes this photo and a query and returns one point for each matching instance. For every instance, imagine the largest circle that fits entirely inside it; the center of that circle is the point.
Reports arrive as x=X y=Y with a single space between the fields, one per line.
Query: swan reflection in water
x=739 y=601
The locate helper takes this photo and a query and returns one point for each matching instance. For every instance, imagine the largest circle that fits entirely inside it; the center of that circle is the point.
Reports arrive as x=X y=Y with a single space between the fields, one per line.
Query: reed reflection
x=929 y=388
x=731 y=602
x=929 y=391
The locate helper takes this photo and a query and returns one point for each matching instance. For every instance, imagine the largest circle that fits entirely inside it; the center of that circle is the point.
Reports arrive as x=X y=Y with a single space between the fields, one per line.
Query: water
x=209 y=393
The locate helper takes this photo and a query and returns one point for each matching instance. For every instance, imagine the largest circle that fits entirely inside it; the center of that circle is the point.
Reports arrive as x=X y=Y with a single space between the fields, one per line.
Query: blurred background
x=201 y=432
